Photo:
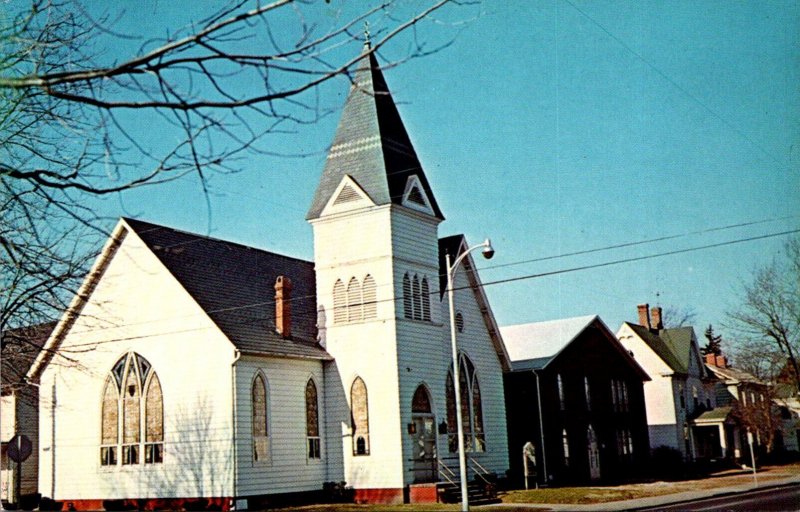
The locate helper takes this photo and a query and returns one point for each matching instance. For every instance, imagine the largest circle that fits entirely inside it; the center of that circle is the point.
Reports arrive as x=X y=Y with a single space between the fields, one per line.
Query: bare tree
x=767 y=321
x=675 y=316
x=211 y=94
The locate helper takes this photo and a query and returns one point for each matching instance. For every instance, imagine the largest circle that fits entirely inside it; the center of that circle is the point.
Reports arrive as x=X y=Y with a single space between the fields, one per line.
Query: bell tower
x=375 y=222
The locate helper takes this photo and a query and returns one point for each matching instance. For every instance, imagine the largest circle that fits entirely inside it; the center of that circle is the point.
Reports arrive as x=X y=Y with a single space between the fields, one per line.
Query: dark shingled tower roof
x=371 y=145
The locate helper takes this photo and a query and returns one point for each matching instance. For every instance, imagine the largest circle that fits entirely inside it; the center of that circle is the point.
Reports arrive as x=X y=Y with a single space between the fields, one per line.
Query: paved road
x=784 y=499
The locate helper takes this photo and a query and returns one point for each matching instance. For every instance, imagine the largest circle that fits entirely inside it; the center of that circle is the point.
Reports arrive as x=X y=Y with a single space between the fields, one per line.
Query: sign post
x=19 y=449
x=752 y=456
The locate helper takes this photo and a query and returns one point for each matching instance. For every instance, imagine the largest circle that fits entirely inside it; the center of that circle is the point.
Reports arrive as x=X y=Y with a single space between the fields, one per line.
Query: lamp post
x=487 y=252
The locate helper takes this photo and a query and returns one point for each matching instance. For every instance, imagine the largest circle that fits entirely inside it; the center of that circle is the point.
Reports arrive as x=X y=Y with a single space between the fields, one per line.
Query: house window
x=339 y=302
x=260 y=420
x=416 y=298
x=695 y=398
x=562 y=403
x=312 y=421
x=359 y=417
x=682 y=396
x=127 y=419
x=565 y=446
x=587 y=392
x=471 y=405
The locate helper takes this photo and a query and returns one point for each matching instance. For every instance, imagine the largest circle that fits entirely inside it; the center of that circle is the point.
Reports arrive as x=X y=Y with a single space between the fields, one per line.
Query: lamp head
x=488 y=250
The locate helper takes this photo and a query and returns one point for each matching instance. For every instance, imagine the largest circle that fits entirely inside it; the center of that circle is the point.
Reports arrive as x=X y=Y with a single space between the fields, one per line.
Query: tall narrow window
x=477 y=416
x=624 y=386
x=359 y=406
x=154 y=422
x=587 y=392
x=132 y=414
x=312 y=421
x=452 y=428
x=416 y=298
x=131 y=417
x=565 y=446
x=370 y=298
x=260 y=420
x=339 y=303
x=408 y=302
x=110 y=423
x=425 y=297
x=562 y=404
x=354 y=306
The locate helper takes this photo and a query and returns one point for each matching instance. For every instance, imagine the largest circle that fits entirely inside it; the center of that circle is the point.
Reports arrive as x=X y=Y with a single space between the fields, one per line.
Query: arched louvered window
x=369 y=298
x=416 y=298
x=408 y=302
x=588 y=392
x=471 y=408
x=312 y=421
x=354 y=306
x=260 y=420
x=565 y=446
x=339 y=303
x=359 y=405
x=425 y=297
x=132 y=414
x=562 y=404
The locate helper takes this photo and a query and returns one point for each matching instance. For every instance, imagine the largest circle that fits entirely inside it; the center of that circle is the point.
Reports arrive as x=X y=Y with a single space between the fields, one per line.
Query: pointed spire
x=371 y=144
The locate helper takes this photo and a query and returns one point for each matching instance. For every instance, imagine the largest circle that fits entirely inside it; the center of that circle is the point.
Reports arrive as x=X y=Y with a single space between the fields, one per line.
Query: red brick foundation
x=422 y=493
x=379 y=496
x=146 y=504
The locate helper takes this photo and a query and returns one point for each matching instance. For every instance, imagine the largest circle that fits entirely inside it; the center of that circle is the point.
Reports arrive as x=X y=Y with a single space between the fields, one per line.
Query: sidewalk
x=655 y=501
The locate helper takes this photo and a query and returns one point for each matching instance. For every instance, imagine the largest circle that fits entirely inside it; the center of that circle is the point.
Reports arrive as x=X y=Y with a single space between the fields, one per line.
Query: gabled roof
x=454 y=245
x=535 y=345
x=371 y=145
x=733 y=375
x=716 y=415
x=20 y=348
x=666 y=349
x=234 y=285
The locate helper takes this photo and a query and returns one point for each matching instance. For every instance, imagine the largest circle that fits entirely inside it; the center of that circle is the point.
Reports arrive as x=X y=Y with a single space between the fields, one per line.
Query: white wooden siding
x=287 y=469
x=138 y=306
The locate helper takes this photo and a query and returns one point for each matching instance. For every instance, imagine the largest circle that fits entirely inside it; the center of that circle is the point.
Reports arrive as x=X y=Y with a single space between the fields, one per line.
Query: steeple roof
x=371 y=145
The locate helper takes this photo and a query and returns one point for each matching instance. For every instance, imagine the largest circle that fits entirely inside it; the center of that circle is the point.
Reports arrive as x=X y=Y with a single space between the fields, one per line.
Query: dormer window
x=415 y=197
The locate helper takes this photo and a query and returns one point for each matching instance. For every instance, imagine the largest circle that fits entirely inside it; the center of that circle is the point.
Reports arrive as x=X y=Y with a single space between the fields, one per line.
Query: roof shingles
x=234 y=284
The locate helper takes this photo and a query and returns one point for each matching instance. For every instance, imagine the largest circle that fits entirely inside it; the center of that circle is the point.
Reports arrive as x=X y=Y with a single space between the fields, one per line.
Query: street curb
x=720 y=494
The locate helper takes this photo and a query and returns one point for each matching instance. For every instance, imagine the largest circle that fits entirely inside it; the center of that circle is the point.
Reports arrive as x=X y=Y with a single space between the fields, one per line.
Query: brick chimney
x=721 y=361
x=644 y=315
x=283 y=306
x=655 y=318
x=711 y=359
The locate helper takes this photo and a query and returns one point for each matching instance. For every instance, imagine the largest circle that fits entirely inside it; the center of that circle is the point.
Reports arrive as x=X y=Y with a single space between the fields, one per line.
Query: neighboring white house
x=679 y=390
x=19 y=407
x=201 y=370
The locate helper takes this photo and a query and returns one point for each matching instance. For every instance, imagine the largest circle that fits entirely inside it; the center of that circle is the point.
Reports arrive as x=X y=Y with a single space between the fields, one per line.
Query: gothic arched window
x=312 y=421
x=260 y=419
x=359 y=405
x=471 y=408
x=132 y=394
x=416 y=298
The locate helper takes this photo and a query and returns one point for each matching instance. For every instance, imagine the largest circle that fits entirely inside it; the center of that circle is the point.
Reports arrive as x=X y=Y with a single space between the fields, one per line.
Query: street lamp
x=487 y=252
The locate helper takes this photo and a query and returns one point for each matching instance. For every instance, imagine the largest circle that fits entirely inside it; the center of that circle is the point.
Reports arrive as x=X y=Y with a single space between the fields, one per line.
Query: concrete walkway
x=656 y=501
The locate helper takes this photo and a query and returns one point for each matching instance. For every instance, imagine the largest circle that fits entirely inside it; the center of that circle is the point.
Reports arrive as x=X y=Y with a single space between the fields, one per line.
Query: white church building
x=191 y=371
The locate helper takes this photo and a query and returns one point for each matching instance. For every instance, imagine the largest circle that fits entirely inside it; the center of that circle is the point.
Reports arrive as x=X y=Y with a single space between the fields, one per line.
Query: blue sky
x=560 y=126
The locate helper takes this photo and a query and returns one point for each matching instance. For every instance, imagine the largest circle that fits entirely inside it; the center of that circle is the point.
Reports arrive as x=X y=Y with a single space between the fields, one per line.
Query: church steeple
x=372 y=147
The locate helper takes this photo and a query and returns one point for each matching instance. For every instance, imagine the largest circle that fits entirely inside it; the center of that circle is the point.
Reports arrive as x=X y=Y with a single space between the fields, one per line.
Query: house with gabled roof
x=679 y=390
x=19 y=408
x=203 y=372
x=575 y=395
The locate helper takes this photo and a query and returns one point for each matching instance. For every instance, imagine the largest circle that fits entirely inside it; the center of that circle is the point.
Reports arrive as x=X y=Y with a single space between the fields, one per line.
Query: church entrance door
x=423 y=437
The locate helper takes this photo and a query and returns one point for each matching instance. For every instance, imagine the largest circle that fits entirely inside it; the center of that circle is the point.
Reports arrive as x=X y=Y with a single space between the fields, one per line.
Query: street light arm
x=487 y=244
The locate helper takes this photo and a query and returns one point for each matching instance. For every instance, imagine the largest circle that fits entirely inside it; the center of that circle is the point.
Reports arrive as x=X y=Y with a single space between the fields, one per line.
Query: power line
x=393 y=299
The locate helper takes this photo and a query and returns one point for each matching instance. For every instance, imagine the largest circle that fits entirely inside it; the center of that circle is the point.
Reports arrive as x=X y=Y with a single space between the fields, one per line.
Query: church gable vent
x=415 y=196
x=347 y=195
